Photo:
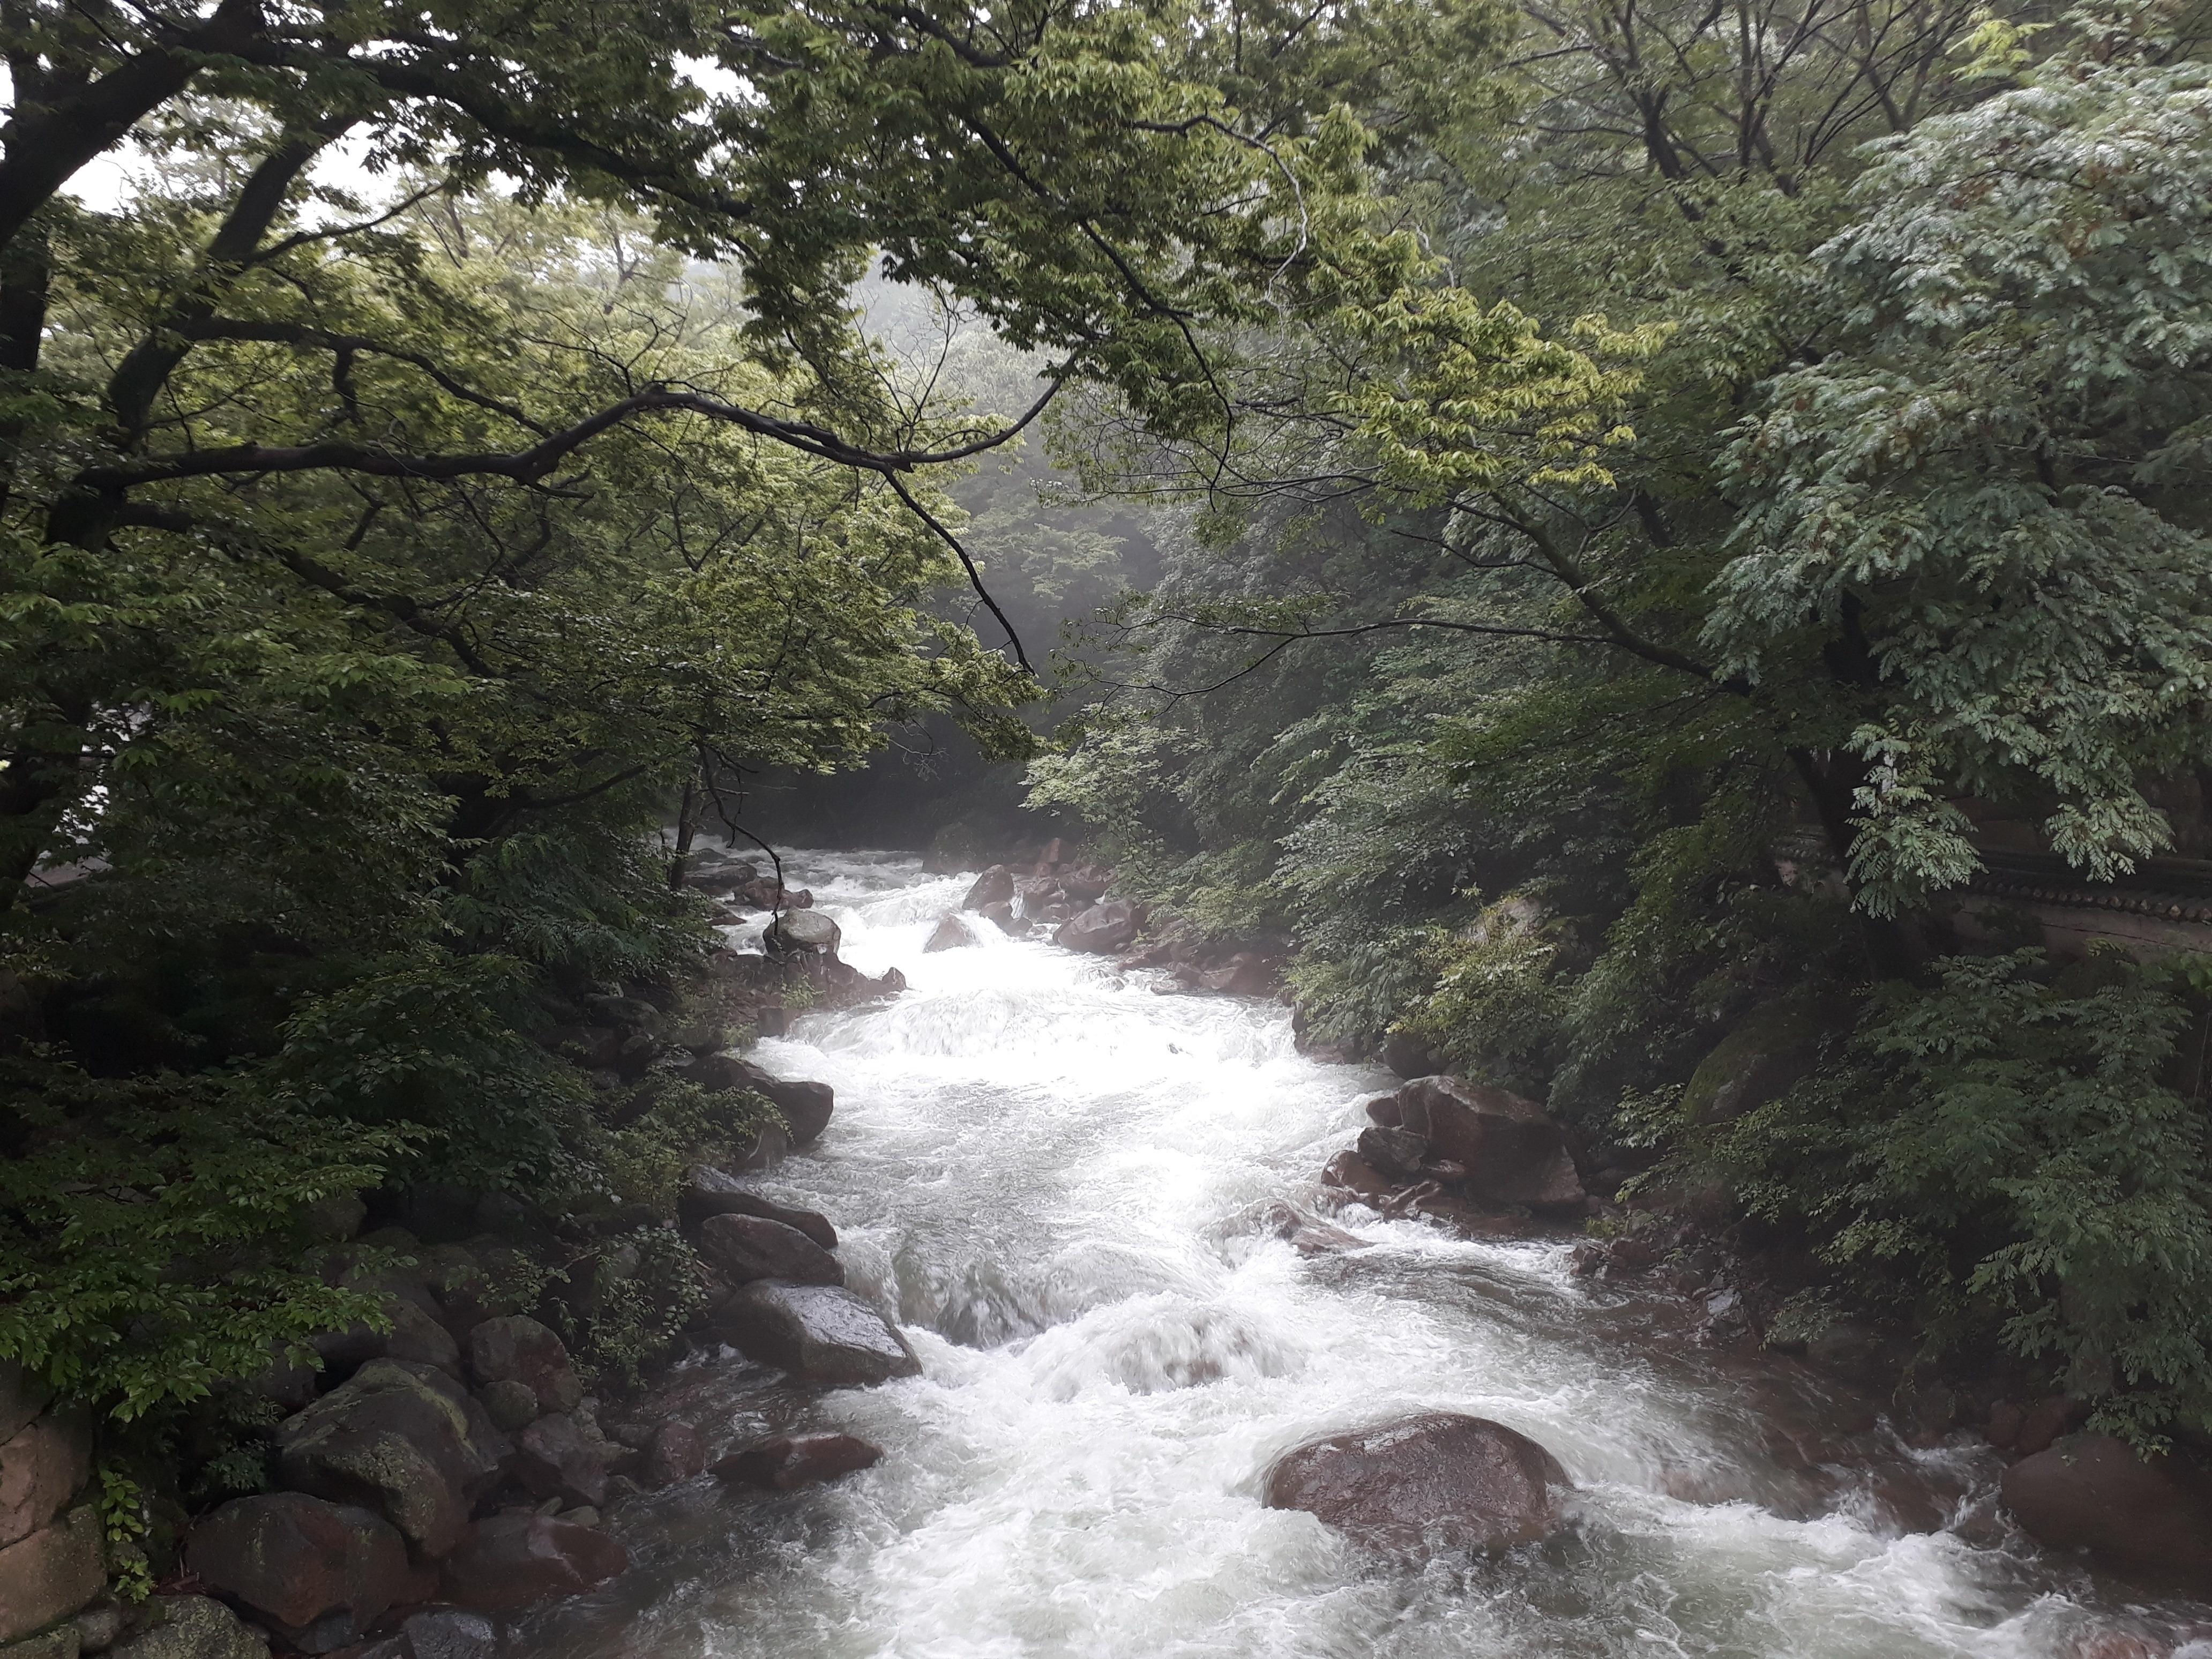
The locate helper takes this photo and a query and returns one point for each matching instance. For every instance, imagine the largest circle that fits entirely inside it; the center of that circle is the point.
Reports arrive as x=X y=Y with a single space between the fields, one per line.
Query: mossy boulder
x=1765 y=1054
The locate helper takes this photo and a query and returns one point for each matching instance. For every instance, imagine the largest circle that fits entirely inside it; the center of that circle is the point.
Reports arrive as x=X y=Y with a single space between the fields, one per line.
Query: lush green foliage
x=377 y=572
x=1778 y=480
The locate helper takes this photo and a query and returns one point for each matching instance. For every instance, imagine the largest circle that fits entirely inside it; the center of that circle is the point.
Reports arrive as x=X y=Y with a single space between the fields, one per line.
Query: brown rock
x=1411 y=1056
x=994 y=886
x=819 y=1333
x=805 y=1106
x=52 y=1572
x=2042 y=1422
x=296 y=1559
x=512 y=1560
x=711 y=1192
x=1086 y=884
x=406 y=1440
x=948 y=935
x=42 y=1466
x=2093 y=1492
x=1511 y=1150
x=745 y=1248
x=1247 y=974
x=1394 y=1152
x=792 y=1461
x=1472 y=1482
x=516 y=1348
x=555 y=1458
x=1001 y=916
x=679 y=1451
x=23 y=1396
x=1382 y=1111
x=1105 y=927
x=1351 y=1173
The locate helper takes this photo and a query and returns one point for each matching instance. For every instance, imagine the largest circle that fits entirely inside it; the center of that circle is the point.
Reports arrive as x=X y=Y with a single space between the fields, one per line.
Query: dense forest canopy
x=1518 y=468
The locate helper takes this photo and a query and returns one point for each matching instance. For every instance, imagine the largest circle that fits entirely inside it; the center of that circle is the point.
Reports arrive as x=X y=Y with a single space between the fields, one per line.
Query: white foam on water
x=1041 y=1162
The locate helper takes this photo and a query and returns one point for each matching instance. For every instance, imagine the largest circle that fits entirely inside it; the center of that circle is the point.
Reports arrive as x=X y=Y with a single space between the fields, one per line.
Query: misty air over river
x=1059 y=1181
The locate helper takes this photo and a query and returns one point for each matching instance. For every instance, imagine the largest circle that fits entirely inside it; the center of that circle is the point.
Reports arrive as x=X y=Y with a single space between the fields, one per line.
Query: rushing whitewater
x=1052 y=1174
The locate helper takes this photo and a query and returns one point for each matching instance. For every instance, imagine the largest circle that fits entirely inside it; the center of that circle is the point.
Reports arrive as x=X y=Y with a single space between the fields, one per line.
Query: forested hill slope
x=1727 y=618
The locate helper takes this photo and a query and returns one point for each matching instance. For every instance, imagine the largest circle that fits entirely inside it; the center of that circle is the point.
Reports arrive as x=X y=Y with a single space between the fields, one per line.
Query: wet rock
x=42 y=1466
x=1512 y=1152
x=192 y=1627
x=802 y=933
x=1307 y=1234
x=1033 y=896
x=950 y=934
x=445 y=1633
x=295 y=1559
x=1086 y=884
x=679 y=1451
x=1105 y=927
x=792 y=1461
x=745 y=1248
x=1350 y=1173
x=51 y=1572
x=1001 y=916
x=1247 y=974
x=1411 y=1056
x=2093 y=1492
x=553 y=1458
x=1466 y=1480
x=22 y=1397
x=404 y=1440
x=819 y=1333
x=1396 y=1152
x=1382 y=1111
x=994 y=886
x=516 y=1348
x=512 y=1560
x=805 y=1106
x=710 y=1193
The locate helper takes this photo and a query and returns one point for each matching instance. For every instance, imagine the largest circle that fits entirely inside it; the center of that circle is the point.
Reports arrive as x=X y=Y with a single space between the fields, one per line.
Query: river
x=1052 y=1175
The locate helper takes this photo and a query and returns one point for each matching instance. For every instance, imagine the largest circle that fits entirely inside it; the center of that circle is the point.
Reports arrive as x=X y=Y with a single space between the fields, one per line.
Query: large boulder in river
x=802 y=933
x=296 y=1560
x=1106 y=926
x=950 y=934
x=404 y=1440
x=994 y=886
x=1512 y=1152
x=818 y=1333
x=788 y=1462
x=806 y=1105
x=709 y=1192
x=512 y=1560
x=2095 y=1493
x=745 y=1248
x=1465 y=1481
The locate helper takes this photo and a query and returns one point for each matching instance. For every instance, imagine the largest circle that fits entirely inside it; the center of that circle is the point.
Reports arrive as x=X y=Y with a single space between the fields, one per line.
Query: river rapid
x=1053 y=1178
